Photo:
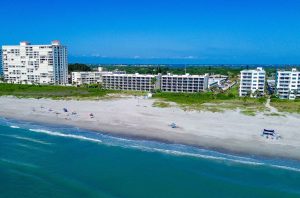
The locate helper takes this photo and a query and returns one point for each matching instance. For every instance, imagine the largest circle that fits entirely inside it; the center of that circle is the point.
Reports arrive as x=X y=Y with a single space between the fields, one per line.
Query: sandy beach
x=131 y=117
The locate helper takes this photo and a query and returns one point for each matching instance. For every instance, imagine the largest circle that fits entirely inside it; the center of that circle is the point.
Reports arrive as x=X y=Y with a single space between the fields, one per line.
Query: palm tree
x=153 y=82
x=256 y=93
x=248 y=94
x=100 y=85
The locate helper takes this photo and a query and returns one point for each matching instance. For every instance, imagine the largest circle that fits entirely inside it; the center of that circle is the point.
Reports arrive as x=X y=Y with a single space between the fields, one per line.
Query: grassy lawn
x=290 y=106
x=58 y=92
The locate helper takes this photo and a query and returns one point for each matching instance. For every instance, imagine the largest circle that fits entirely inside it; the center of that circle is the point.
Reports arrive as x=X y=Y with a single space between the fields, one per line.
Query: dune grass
x=248 y=112
x=275 y=114
x=161 y=104
x=207 y=101
x=290 y=106
x=214 y=102
x=58 y=92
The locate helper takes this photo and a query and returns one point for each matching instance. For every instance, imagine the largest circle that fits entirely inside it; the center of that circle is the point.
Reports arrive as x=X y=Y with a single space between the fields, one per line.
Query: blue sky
x=160 y=31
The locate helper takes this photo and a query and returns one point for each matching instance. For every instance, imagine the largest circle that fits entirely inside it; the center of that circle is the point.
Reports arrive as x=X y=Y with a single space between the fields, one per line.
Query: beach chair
x=173 y=125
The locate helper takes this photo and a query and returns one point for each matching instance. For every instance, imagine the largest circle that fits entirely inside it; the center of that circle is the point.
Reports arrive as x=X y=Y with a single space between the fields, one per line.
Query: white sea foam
x=14 y=127
x=33 y=148
x=29 y=139
x=254 y=163
x=286 y=168
x=197 y=155
x=211 y=155
x=18 y=163
x=119 y=139
x=65 y=135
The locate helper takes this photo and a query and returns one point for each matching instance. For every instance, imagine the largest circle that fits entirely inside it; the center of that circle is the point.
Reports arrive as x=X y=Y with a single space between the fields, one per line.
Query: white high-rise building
x=35 y=64
x=1 y=68
x=252 y=82
x=288 y=84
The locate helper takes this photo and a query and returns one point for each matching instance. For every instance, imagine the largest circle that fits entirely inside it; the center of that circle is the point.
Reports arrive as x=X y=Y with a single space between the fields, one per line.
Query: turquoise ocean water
x=47 y=161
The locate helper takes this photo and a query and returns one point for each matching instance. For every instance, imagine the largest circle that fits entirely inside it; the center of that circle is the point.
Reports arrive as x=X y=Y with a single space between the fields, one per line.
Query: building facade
x=288 y=84
x=252 y=82
x=92 y=77
x=1 y=63
x=86 y=78
x=217 y=81
x=136 y=82
x=143 y=82
x=184 y=83
x=35 y=64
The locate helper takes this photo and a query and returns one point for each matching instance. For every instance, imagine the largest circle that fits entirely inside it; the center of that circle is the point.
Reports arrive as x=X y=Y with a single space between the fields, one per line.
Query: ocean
x=56 y=161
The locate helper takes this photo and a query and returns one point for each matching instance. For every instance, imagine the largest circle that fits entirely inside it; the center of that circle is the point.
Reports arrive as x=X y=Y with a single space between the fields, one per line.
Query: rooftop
x=258 y=69
x=131 y=75
x=292 y=70
x=185 y=75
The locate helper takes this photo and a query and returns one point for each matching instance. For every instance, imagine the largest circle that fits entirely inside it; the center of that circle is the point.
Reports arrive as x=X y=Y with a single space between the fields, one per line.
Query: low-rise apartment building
x=138 y=82
x=91 y=77
x=86 y=78
x=184 y=83
x=144 y=82
x=119 y=80
x=288 y=84
x=252 y=82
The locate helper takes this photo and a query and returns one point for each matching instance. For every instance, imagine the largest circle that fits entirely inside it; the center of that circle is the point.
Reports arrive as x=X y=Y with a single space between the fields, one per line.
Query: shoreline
x=231 y=156
x=113 y=119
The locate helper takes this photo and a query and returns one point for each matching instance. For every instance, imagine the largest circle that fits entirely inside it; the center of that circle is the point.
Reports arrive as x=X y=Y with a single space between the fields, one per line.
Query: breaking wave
x=65 y=135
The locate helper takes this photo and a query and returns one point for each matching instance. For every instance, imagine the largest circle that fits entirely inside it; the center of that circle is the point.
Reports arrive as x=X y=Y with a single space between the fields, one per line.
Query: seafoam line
x=65 y=135
x=14 y=127
x=17 y=163
x=29 y=139
x=33 y=148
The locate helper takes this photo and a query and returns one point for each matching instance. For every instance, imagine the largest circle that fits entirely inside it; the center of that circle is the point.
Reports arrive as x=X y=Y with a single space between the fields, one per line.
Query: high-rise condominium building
x=35 y=64
x=1 y=68
x=288 y=84
x=252 y=82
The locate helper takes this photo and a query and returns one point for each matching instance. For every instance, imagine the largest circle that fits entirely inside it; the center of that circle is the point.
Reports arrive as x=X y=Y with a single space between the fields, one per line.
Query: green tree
x=256 y=93
x=78 y=67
